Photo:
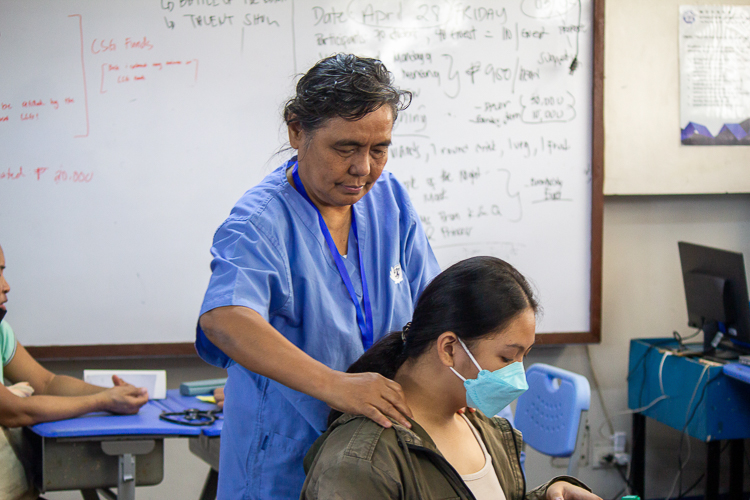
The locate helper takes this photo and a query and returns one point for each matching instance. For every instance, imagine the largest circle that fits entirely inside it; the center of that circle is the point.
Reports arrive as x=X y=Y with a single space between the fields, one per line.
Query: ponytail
x=385 y=357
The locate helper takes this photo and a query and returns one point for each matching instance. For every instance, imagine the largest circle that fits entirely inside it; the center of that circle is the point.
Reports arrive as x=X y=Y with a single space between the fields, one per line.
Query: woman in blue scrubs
x=321 y=259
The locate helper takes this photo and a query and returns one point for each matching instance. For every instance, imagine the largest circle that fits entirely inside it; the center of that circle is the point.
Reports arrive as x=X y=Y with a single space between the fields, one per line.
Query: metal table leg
x=713 y=467
x=106 y=493
x=211 y=486
x=736 y=466
x=638 y=465
x=126 y=452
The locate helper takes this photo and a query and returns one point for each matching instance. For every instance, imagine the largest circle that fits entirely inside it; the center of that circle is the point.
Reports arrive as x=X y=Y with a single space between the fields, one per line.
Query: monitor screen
x=716 y=289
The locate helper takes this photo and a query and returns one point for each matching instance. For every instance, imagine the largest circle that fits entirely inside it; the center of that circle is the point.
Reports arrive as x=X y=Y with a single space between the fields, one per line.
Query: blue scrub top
x=271 y=256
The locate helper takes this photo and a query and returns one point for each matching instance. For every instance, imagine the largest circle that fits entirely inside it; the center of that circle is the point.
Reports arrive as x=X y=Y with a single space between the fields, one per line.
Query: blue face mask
x=490 y=392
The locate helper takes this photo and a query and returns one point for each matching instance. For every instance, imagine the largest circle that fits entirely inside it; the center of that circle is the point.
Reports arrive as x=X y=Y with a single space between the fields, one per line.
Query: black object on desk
x=193 y=417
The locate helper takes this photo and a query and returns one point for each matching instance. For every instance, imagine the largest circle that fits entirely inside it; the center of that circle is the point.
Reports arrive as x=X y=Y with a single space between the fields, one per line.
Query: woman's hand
x=219 y=397
x=21 y=389
x=124 y=398
x=371 y=395
x=563 y=490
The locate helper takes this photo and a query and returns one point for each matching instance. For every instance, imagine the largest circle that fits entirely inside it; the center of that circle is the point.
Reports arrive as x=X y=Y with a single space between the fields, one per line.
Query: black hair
x=474 y=298
x=346 y=86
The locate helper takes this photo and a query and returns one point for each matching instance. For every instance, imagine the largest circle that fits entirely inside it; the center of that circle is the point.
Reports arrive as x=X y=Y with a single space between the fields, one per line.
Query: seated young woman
x=471 y=329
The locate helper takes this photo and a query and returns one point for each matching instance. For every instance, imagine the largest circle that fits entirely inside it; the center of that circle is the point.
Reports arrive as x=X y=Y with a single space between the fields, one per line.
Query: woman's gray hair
x=346 y=86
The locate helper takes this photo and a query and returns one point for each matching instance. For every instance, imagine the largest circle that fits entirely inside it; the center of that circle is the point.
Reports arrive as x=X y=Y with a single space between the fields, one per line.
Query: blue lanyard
x=363 y=320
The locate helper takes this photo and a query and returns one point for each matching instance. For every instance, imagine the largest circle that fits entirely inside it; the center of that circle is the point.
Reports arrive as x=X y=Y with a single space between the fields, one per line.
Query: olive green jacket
x=357 y=458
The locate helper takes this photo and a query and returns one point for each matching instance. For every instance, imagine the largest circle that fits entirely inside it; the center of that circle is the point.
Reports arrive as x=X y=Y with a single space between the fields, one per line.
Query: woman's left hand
x=219 y=397
x=21 y=389
x=563 y=490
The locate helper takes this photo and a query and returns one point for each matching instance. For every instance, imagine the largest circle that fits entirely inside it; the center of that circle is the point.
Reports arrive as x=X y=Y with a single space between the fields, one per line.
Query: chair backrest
x=549 y=413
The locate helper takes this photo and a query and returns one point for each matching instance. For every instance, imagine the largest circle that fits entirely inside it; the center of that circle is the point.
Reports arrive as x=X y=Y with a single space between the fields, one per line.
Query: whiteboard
x=130 y=128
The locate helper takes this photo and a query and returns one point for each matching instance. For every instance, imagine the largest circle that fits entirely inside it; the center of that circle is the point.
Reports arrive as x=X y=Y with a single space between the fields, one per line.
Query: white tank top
x=484 y=483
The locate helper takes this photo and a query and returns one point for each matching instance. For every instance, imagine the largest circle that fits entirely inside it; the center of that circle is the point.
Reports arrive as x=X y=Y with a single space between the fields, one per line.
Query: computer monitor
x=716 y=293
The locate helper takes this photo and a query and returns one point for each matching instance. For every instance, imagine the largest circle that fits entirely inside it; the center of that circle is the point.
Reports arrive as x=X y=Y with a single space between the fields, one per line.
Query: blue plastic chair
x=552 y=414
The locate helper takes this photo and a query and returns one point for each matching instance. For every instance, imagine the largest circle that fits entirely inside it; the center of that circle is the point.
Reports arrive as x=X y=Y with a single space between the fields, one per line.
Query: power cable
x=688 y=418
x=574 y=62
x=598 y=390
x=617 y=495
x=683 y=495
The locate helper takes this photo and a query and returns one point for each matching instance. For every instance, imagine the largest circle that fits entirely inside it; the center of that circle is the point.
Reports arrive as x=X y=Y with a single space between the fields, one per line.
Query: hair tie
x=404 y=330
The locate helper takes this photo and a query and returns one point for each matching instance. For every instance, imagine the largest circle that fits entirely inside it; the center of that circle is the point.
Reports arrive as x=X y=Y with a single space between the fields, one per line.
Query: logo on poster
x=689 y=17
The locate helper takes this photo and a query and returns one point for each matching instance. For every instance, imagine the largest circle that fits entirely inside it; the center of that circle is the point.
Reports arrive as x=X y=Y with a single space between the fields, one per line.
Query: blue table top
x=145 y=423
x=738 y=371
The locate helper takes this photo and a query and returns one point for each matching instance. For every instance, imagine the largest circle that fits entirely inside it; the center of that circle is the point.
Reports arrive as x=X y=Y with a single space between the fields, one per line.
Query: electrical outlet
x=619 y=440
x=610 y=454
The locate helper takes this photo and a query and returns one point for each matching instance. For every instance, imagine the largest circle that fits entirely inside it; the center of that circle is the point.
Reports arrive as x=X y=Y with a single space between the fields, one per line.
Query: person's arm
x=25 y=368
x=252 y=342
x=58 y=397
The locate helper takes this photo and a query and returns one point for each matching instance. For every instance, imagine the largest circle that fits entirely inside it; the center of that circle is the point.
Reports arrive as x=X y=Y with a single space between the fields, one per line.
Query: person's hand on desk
x=123 y=398
x=57 y=397
x=219 y=397
x=563 y=490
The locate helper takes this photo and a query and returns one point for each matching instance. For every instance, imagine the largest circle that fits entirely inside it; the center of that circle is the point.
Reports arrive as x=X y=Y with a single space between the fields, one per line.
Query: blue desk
x=719 y=410
x=100 y=450
x=737 y=371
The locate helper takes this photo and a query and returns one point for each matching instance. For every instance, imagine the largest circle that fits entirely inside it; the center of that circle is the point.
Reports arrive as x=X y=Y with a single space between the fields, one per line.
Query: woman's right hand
x=368 y=394
x=123 y=398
